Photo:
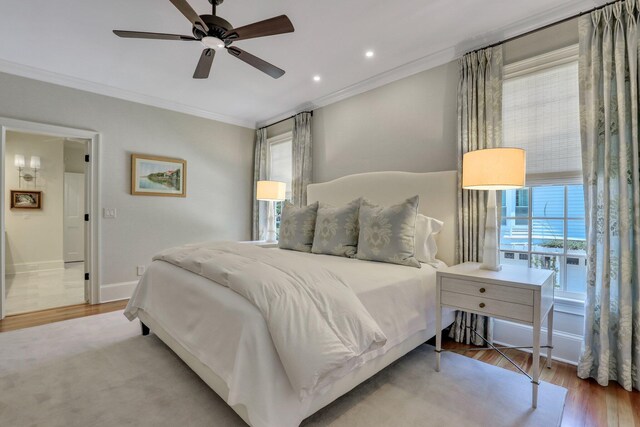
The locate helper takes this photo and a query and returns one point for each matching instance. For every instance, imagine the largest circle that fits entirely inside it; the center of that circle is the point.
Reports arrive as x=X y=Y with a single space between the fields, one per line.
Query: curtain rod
x=553 y=24
x=288 y=118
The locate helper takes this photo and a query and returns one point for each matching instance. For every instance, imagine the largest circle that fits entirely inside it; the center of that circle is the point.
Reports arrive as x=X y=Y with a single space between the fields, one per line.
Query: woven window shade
x=541 y=115
x=281 y=164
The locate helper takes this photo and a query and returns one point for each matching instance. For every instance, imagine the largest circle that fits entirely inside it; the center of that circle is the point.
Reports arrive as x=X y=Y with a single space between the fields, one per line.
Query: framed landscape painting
x=158 y=176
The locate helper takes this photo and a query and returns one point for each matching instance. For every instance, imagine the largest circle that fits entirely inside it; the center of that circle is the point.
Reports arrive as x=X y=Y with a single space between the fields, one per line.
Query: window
x=548 y=233
x=543 y=226
x=281 y=167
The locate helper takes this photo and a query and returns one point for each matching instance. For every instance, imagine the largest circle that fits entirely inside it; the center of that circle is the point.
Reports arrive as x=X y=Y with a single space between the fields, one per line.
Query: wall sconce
x=20 y=164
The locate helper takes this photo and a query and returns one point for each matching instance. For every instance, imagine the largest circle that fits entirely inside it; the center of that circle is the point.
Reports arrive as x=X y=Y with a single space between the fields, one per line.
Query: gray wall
x=407 y=125
x=220 y=165
x=554 y=38
x=410 y=124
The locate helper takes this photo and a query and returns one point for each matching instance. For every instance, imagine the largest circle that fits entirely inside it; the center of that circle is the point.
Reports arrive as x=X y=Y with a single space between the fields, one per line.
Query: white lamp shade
x=18 y=160
x=35 y=162
x=494 y=169
x=273 y=191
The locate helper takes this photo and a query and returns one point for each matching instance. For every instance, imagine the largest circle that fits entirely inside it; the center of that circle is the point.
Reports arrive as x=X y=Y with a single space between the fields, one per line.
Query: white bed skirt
x=337 y=389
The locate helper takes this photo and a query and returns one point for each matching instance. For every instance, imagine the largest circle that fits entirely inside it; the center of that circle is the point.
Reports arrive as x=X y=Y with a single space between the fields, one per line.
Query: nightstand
x=261 y=243
x=517 y=294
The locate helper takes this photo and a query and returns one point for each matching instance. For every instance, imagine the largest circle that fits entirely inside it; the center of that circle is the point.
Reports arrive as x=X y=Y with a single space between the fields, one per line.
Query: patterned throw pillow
x=297 y=227
x=387 y=234
x=337 y=230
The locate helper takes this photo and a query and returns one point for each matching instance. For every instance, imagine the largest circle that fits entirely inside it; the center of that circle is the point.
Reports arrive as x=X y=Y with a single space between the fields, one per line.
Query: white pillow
x=426 y=231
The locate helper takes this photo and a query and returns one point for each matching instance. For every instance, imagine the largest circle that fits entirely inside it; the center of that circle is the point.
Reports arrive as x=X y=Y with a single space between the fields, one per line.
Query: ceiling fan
x=216 y=33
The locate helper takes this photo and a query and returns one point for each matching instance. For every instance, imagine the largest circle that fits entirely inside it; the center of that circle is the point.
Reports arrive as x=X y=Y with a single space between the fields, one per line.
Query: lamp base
x=490 y=252
x=271 y=224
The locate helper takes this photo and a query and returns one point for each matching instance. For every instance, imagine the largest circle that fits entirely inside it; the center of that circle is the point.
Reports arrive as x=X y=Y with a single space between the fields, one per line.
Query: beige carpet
x=99 y=371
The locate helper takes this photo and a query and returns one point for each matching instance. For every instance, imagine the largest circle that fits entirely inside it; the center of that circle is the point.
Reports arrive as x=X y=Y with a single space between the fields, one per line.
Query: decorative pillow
x=387 y=234
x=297 y=227
x=426 y=231
x=337 y=230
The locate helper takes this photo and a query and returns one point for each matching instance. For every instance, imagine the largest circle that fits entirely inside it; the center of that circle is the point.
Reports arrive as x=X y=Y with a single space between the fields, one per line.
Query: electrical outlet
x=141 y=269
x=109 y=213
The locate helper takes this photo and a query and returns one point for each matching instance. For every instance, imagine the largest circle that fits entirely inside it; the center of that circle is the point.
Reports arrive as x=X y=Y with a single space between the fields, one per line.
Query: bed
x=224 y=338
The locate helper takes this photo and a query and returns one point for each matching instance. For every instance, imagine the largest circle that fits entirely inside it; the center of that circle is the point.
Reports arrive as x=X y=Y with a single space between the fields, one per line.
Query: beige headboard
x=437 y=191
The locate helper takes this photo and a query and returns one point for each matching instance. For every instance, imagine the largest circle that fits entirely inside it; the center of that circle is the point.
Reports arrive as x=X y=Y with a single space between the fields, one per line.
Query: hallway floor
x=45 y=289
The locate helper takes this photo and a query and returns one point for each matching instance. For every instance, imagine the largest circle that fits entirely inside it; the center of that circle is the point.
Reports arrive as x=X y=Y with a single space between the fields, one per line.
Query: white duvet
x=318 y=325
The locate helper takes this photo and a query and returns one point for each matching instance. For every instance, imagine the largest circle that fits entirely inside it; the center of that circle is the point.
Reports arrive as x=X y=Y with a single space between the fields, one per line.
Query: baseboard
x=32 y=267
x=566 y=347
x=117 y=291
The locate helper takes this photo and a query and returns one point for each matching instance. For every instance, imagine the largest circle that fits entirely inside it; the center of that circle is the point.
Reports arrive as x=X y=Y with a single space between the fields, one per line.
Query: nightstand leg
x=438 y=335
x=535 y=365
x=549 y=336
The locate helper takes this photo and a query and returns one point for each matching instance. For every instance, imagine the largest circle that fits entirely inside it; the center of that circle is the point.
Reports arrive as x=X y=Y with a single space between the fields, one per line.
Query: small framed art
x=26 y=199
x=158 y=176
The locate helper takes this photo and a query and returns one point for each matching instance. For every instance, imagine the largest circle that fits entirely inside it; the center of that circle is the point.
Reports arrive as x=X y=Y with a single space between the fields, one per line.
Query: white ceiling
x=70 y=42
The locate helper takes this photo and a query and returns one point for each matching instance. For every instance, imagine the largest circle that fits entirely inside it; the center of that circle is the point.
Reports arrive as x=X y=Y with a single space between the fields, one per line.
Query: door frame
x=92 y=198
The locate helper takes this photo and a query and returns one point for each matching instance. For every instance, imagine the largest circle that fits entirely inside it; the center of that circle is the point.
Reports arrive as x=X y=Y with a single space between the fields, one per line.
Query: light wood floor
x=42 y=317
x=588 y=404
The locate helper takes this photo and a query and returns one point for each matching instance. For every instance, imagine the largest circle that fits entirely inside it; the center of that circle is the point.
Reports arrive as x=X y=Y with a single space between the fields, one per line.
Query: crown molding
x=106 y=90
x=406 y=70
x=422 y=64
x=443 y=56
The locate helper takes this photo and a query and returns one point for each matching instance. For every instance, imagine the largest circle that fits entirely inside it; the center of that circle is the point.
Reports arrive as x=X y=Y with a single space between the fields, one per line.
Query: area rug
x=99 y=371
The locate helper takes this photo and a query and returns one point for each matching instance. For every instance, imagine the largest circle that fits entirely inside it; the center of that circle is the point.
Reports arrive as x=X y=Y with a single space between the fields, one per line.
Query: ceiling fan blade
x=204 y=64
x=269 y=27
x=256 y=62
x=155 y=36
x=190 y=14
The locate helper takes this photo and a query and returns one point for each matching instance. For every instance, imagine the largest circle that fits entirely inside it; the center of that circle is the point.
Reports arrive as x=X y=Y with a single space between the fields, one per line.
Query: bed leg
x=145 y=329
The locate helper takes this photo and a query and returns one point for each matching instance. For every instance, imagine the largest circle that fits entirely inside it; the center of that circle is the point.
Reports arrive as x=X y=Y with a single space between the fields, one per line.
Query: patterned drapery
x=609 y=79
x=302 y=160
x=260 y=173
x=479 y=127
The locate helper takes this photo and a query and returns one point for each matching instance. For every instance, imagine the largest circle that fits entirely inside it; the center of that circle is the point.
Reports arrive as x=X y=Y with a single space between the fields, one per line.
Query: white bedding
x=230 y=336
x=317 y=323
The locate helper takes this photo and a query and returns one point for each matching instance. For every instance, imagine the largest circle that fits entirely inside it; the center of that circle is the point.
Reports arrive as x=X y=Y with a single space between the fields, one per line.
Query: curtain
x=608 y=65
x=302 y=158
x=260 y=173
x=479 y=126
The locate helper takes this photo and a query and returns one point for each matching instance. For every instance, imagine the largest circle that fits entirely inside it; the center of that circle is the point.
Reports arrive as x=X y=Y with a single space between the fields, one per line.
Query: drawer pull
x=483 y=290
x=481 y=305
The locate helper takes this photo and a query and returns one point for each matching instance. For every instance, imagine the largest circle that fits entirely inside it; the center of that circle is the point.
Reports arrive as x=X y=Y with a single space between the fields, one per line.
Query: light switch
x=109 y=213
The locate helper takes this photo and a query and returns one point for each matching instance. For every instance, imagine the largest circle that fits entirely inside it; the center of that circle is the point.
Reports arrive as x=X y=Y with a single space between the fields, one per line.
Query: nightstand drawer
x=488 y=306
x=485 y=290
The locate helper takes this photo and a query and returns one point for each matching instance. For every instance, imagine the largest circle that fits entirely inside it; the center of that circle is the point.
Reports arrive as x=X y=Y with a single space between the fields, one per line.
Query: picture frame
x=26 y=199
x=158 y=176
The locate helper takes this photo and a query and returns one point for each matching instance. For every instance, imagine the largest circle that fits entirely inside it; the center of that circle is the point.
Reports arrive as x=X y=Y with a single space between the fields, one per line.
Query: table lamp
x=271 y=191
x=493 y=169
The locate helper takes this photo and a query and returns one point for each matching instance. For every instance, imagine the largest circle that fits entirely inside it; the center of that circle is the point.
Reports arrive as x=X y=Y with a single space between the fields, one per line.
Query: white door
x=73 y=217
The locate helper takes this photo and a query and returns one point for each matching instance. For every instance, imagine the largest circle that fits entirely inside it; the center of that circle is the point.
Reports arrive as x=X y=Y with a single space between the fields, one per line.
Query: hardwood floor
x=36 y=318
x=588 y=403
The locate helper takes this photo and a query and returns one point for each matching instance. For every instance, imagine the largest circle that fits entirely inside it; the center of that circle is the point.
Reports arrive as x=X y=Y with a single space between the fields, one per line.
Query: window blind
x=541 y=115
x=281 y=163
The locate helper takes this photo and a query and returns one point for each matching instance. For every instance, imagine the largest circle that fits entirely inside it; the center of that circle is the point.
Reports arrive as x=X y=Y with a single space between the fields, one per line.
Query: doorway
x=48 y=245
x=44 y=222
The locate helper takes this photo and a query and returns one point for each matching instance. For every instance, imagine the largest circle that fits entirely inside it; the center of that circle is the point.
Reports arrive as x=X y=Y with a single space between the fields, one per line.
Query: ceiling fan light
x=212 y=43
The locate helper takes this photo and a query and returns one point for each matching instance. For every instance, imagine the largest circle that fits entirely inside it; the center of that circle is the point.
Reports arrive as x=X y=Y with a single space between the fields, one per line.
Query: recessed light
x=316 y=78
x=369 y=54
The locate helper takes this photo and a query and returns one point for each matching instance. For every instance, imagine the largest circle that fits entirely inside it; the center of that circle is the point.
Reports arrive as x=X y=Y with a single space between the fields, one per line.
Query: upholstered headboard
x=437 y=191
